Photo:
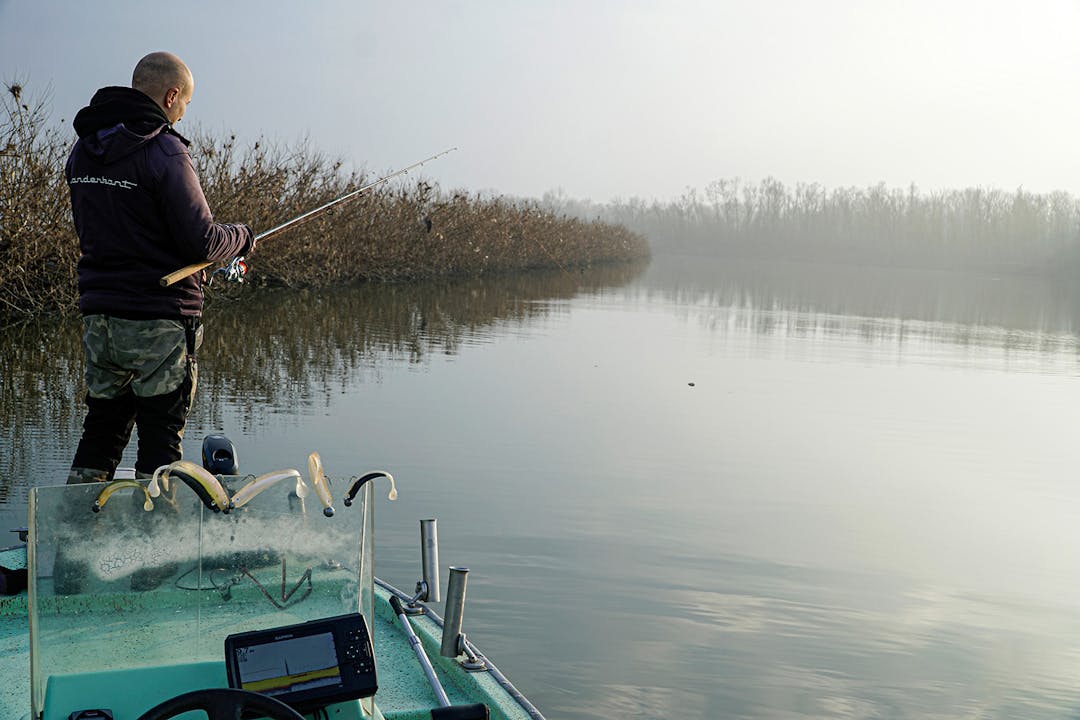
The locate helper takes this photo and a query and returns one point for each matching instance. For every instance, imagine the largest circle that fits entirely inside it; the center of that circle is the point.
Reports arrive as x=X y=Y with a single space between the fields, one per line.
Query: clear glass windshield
x=127 y=588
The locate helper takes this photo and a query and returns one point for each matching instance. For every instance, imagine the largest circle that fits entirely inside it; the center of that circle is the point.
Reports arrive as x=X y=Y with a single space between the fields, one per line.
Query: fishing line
x=553 y=258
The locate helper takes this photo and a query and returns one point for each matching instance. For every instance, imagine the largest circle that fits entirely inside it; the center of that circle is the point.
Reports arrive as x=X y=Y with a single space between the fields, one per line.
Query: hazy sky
x=605 y=99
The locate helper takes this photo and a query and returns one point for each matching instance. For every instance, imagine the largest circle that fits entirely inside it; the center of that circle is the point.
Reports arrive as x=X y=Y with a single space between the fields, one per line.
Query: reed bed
x=982 y=229
x=38 y=250
x=400 y=231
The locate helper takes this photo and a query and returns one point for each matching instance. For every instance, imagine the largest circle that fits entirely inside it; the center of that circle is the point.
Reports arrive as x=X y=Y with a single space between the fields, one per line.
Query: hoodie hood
x=111 y=106
x=118 y=121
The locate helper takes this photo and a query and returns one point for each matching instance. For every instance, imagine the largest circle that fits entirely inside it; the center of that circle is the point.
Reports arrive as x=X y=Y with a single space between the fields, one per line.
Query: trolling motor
x=219 y=455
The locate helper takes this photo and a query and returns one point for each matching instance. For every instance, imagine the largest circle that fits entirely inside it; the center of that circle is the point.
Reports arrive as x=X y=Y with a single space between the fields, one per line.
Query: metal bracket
x=414 y=607
x=472 y=662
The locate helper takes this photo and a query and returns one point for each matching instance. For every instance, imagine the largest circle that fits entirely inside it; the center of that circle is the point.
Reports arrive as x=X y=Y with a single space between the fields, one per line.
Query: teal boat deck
x=404 y=693
x=14 y=645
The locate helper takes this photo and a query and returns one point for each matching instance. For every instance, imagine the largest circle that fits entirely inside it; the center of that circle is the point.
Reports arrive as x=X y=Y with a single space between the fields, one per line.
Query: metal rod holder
x=453 y=640
x=427 y=588
x=429 y=558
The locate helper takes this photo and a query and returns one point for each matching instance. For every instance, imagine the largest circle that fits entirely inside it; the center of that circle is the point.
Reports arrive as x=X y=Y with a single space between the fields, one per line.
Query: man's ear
x=170 y=96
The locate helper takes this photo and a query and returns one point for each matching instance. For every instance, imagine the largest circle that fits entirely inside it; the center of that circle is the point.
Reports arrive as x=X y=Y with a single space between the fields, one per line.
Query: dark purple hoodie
x=139 y=211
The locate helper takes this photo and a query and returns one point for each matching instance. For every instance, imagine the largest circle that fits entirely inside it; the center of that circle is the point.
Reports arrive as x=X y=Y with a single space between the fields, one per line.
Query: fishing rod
x=235 y=262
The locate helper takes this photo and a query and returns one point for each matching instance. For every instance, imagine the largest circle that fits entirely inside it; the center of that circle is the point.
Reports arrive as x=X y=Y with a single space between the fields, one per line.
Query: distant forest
x=973 y=229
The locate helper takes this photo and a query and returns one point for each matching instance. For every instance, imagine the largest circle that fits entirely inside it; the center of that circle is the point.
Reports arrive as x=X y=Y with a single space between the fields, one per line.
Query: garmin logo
x=87 y=180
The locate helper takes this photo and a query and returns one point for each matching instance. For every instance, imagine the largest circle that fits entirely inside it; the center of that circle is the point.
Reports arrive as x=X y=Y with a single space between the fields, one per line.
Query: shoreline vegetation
x=412 y=230
x=401 y=231
x=981 y=230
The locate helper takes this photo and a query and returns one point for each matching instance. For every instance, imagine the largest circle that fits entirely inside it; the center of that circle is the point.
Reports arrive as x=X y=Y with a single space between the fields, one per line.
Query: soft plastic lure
x=321 y=483
x=359 y=483
x=115 y=486
x=198 y=478
x=257 y=485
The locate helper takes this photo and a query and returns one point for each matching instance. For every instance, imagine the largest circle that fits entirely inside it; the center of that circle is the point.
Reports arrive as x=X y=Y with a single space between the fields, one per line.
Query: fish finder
x=306 y=666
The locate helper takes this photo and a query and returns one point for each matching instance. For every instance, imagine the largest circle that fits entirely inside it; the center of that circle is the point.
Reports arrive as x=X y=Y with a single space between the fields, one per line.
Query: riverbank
x=401 y=231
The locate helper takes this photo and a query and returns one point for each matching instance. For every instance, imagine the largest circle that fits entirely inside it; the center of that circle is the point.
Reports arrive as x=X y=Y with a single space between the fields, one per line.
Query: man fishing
x=140 y=213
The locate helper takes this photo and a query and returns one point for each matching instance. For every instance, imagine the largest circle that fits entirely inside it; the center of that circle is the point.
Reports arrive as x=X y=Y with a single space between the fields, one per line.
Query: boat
x=222 y=591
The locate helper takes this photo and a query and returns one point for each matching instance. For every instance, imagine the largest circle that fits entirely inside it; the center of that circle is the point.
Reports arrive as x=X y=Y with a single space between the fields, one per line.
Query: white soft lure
x=199 y=479
x=161 y=477
x=321 y=484
x=264 y=481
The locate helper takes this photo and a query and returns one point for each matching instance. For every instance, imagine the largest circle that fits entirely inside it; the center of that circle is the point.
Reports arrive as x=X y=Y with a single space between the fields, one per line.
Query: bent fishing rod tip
x=183 y=272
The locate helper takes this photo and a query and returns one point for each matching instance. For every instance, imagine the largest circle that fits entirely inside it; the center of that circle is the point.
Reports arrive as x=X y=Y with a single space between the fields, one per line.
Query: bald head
x=167 y=80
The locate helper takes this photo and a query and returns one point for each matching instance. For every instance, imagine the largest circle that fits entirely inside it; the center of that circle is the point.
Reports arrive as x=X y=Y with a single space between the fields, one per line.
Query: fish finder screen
x=307 y=665
x=291 y=665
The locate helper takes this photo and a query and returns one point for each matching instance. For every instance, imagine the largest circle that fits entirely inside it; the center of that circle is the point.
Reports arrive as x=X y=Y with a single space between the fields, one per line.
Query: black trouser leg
x=106 y=431
x=161 y=420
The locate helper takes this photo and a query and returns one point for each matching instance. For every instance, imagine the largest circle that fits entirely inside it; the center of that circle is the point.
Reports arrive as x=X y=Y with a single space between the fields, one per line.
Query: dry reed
x=398 y=232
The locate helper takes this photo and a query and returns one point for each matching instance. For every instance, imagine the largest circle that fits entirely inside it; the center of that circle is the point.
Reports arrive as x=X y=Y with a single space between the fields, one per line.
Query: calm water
x=687 y=490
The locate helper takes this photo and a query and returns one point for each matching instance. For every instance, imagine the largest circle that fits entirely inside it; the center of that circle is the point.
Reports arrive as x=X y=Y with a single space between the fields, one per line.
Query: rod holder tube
x=429 y=559
x=455 y=608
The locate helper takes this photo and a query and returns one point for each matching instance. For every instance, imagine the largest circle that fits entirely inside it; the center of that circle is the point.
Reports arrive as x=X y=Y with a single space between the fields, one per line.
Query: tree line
x=981 y=229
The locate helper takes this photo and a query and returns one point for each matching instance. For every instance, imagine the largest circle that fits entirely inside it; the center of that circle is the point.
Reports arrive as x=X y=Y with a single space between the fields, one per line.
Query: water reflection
x=909 y=312
x=1016 y=302
x=40 y=372
x=298 y=350
x=279 y=350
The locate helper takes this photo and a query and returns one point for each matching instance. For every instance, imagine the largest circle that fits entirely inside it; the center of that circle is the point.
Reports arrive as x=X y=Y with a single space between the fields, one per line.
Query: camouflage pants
x=139 y=373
